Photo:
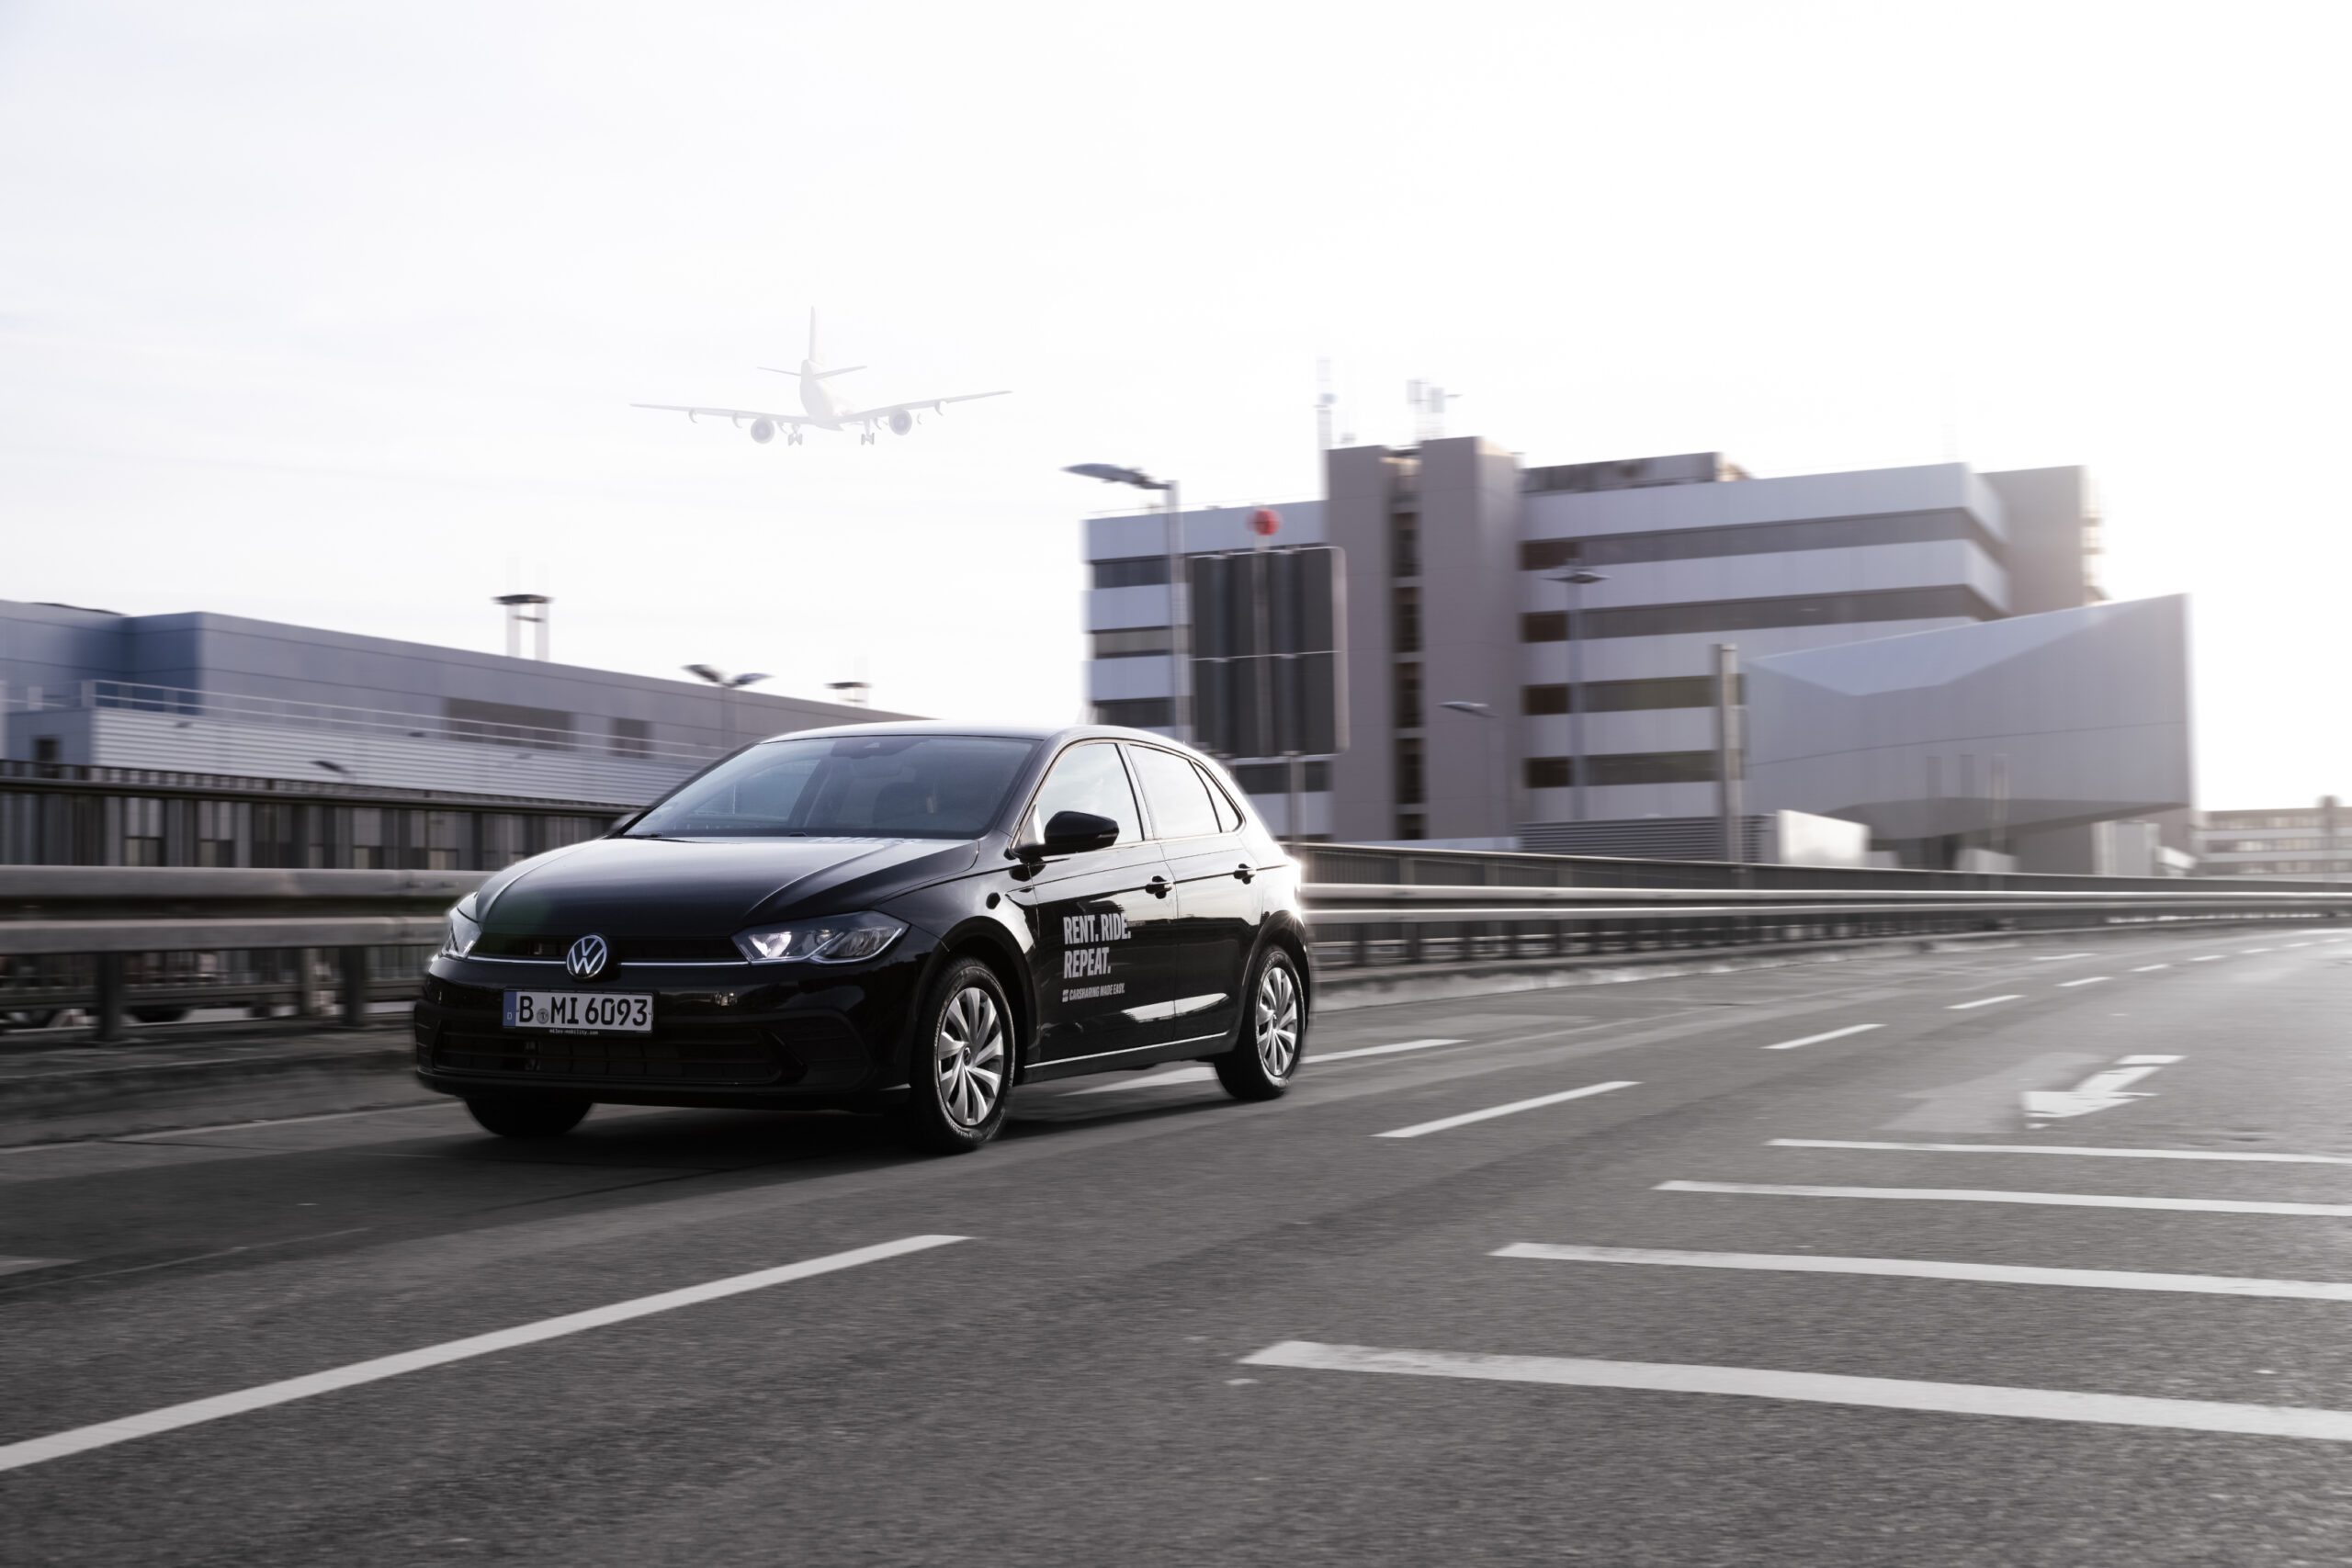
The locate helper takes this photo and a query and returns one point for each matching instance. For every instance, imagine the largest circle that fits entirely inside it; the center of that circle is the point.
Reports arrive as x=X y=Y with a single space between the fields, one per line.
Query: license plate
x=580 y=1013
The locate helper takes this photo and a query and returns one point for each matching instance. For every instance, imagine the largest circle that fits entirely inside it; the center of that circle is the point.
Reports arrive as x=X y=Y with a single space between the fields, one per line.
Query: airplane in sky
x=824 y=411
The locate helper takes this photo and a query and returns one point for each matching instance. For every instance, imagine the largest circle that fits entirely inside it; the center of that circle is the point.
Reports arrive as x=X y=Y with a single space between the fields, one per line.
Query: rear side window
x=1177 y=794
x=1088 y=778
x=1229 y=815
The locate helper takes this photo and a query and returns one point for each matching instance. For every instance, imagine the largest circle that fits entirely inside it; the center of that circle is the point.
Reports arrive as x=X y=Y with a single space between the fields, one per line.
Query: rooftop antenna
x=1428 y=401
x=518 y=610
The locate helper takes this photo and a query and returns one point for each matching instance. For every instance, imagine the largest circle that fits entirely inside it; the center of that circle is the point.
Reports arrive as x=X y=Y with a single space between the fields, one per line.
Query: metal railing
x=116 y=944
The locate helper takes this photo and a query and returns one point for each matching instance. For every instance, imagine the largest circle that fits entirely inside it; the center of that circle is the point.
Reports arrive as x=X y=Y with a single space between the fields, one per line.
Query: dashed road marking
x=2061 y=957
x=39 y=1450
x=2208 y=957
x=1445 y=1123
x=1985 y=1002
x=1822 y=1388
x=19 y=1265
x=2145 y=968
x=1971 y=1195
x=1817 y=1039
x=2085 y=980
x=2246 y=1157
x=1318 y=1058
x=1927 y=1269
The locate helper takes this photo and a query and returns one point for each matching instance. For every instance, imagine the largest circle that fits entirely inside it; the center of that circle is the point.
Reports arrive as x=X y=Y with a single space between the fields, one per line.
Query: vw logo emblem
x=586 y=959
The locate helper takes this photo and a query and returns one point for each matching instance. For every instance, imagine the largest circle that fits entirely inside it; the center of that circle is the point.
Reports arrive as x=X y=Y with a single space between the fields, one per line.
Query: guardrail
x=122 y=944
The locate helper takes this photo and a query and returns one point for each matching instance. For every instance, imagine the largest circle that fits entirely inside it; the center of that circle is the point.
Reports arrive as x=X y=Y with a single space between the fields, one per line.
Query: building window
x=1624 y=768
x=366 y=839
x=507 y=723
x=1274 y=778
x=1405 y=621
x=142 y=832
x=632 y=737
x=1761 y=538
x=1404 y=544
x=1138 y=713
x=1409 y=695
x=216 y=832
x=1132 y=640
x=1408 y=770
x=1545 y=555
x=1131 y=571
x=1753 y=615
x=1412 y=827
x=1626 y=696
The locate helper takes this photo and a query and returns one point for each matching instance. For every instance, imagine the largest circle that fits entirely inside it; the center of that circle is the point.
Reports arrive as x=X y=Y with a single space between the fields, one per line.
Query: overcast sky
x=332 y=314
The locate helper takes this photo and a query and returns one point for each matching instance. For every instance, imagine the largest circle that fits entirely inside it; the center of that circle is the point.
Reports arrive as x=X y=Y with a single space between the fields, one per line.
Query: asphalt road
x=1813 y=1283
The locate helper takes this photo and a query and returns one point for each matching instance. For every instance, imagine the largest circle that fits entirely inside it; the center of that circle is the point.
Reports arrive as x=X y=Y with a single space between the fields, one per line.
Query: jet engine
x=901 y=422
x=762 y=431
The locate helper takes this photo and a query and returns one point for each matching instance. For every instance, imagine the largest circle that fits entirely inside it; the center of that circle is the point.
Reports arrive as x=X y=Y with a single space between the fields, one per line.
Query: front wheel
x=962 y=1078
x=1273 y=1031
x=535 y=1116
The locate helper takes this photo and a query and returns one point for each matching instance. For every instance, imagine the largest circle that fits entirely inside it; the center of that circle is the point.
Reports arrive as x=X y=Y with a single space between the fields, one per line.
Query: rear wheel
x=532 y=1116
x=1273 y=1031
x=962 y=1076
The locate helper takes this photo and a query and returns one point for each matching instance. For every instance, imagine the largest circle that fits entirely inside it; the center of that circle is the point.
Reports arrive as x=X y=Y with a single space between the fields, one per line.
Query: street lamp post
x=1502 y=773
x=1178 y=619
x=1575 y=578
x=727 y=684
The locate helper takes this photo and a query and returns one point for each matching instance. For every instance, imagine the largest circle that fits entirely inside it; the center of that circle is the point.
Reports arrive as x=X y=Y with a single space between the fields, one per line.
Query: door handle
x=1158 y=887
x=1245 y=870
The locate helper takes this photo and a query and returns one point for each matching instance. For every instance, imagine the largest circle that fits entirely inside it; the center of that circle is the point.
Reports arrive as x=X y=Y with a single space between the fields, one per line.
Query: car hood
x=624 y=886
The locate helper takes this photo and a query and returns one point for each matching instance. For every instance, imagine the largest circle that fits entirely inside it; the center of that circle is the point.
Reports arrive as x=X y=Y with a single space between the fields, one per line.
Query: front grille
x=625 y=950
x=736 y=1058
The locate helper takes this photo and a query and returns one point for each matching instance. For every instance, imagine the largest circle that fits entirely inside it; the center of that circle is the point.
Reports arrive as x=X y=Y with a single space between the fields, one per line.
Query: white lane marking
x=2247 y=1157
x=2103 y=1090
x=1970 y=1195
x=1921 y=1268
x=442 y=1104
x=2208 y=957
x=2146 y=968
x=39 y=1450
x=2292 y=945
x=2061 y=957
x=18 y=1265
x=2085 y=980
x=1445 y=1123
x=1202 y=1074
x=1314 y=1056
x=2254 y=950
x=1985 y=1002
x=1817 y=1039
x=1822 y=1388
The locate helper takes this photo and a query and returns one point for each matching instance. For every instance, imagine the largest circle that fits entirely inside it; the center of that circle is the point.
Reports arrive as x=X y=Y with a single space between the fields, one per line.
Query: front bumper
x=748 y=1034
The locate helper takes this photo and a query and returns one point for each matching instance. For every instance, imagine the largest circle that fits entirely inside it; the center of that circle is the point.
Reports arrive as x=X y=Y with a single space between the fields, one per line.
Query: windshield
x=897 y=786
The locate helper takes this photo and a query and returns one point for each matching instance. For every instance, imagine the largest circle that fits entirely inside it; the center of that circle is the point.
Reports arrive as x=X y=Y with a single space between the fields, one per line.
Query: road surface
x=1774 y=1266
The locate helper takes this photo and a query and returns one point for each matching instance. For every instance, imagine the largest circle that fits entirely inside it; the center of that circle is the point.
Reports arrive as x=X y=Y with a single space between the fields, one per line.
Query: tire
x=960 y=1076
x=1273 y=1029
x=536 y=1116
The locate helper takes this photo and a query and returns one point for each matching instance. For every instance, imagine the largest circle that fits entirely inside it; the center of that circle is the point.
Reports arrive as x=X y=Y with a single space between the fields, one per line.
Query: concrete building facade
x=2291 y=843
x=1452 y=552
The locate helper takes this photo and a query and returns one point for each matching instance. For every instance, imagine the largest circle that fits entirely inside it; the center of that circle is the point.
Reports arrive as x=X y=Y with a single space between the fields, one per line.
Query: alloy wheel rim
x=968 y=1056
x=1277 y=1021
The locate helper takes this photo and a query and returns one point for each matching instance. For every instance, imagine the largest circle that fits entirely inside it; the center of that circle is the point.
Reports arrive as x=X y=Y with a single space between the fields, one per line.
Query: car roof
x=1032 y=732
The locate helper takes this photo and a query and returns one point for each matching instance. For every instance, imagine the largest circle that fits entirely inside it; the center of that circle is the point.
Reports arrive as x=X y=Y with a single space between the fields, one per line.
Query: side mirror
x=1073 y=833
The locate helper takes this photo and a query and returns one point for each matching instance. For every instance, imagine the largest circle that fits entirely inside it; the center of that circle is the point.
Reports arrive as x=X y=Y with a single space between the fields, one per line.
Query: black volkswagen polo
x=910 y=918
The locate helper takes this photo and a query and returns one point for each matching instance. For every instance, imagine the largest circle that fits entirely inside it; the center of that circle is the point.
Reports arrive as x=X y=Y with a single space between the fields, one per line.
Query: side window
x=1229 y=815
x=1088 y=778
x=1179 y=797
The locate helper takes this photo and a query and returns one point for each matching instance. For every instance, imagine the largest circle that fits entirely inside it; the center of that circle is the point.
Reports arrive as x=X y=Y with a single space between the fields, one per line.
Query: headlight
x=464 y=930
x=843 y=939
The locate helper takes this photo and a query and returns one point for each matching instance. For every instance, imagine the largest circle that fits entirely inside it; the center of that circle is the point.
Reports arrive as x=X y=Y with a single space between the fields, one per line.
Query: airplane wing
x=696 y=410
x=916 y=405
